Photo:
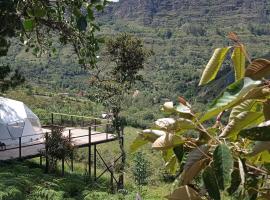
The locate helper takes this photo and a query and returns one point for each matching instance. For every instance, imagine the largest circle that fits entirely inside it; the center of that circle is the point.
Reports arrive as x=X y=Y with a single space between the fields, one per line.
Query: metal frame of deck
x=80 y=137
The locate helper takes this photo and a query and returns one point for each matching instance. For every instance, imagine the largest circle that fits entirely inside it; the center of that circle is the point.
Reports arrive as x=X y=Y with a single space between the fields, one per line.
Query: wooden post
x=112 y=188
x=61 y=119
x=46 y=153
x=63 y=165
x=20 y=147
x=95 y=124
x=89 y=152
x=70 y=137
x=72 y=162
x=122 y=130
x=40 y=160
x=107 y=130
x=52 y=118
x=72 y=123
x=95 y=162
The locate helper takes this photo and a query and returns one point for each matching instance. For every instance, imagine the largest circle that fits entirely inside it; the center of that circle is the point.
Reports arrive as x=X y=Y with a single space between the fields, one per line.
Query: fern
x=10 y=193
x=41 y=193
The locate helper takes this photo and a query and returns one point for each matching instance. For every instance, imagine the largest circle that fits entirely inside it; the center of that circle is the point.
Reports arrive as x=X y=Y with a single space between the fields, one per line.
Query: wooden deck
x=79 y=138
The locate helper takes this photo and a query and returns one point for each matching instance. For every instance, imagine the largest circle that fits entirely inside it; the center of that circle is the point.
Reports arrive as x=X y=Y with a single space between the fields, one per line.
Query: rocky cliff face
x=162 y=12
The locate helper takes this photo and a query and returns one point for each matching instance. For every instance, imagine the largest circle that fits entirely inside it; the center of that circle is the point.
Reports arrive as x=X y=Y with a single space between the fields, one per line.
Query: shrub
x=59 y=147
x=140 y=169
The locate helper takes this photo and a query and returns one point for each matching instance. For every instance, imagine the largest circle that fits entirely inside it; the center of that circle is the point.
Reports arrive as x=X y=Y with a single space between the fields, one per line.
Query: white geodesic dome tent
x=17 y=120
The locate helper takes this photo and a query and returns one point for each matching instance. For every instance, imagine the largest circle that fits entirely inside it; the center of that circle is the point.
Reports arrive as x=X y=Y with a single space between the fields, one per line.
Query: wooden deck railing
x=94 y=128
x=95 y=124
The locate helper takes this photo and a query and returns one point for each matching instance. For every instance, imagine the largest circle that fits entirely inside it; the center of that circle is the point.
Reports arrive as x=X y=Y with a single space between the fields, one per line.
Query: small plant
x=59 y=147
x=140 y=169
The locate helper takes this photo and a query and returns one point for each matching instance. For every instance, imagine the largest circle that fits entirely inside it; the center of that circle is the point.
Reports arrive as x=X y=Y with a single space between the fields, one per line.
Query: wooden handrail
x=78 y=116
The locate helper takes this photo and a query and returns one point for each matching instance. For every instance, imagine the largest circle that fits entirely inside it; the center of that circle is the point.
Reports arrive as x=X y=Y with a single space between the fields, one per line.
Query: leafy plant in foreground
x=229 y=159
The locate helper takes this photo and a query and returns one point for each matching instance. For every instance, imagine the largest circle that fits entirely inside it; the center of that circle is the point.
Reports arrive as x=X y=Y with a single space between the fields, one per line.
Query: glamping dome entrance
x=17 y=120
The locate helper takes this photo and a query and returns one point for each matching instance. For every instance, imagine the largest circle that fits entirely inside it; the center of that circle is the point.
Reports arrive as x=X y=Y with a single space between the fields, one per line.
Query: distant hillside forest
x=181 y=33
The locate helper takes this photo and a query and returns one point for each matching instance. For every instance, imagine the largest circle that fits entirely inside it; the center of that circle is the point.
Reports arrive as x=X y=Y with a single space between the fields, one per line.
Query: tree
x=38 y=25
x=8 y=78
x=231 y=159
x=128 y=55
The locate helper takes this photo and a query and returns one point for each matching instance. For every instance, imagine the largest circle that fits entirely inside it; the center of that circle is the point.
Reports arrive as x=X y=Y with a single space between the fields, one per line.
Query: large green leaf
x=235 y=181
x=167 y=154
x=214 y=65
x=146 y=136
x=171 y=165
x=195 y=155
x=184 y=124
x=223 y=165
x=239 y=59
x=174 y=125
x=259 y=147
x=237 y=178
x=165 y=123
x=232 y=96
x=259 y=93
x=28 y=24
x=264 y=158
x=179 y=152
x=167 y=141
x=210 y=183
x=242 y=120
x=261 y=133
x=182 y=109
x=258 y=69
x=189 y=173
x=248 y=105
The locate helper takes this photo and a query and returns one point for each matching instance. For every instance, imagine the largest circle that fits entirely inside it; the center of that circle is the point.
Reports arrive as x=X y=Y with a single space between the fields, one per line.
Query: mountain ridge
x=147 y=11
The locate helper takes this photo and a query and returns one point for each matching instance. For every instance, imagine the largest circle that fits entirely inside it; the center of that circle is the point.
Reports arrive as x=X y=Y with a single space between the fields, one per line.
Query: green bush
x=140 y=169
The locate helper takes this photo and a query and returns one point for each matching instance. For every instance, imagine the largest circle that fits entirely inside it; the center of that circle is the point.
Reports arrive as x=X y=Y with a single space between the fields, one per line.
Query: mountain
x=182 y=34
x=164 y=12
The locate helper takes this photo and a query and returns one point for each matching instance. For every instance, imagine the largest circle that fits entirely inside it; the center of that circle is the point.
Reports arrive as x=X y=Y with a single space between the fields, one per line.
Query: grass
x=27 y=181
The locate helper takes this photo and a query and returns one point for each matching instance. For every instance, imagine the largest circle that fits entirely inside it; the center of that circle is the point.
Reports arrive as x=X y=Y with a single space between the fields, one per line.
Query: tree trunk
x=118 y=130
